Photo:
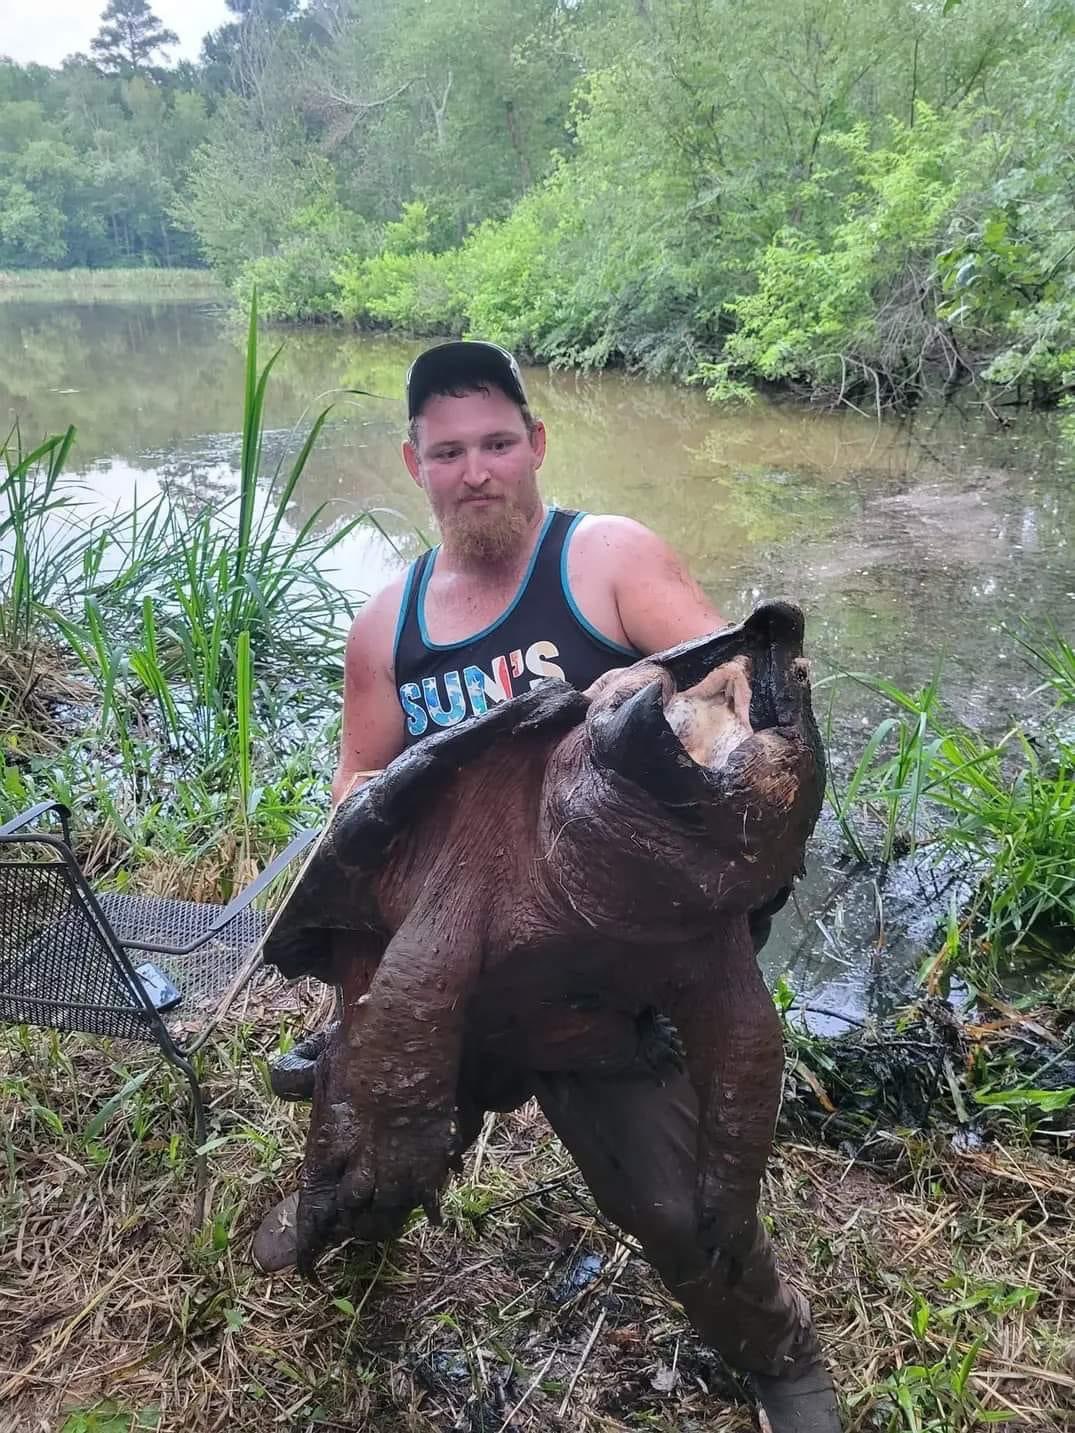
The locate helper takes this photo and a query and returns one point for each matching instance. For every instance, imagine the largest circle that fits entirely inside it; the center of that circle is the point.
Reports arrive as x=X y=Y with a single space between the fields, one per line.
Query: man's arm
x=634 y=587
x=372 y=730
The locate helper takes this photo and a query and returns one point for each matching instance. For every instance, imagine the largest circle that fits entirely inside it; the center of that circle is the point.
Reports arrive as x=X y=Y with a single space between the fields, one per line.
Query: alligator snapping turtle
x=519 y=902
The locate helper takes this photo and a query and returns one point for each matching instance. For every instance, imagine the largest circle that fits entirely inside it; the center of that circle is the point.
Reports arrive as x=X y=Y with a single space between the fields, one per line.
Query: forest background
x=843 y=199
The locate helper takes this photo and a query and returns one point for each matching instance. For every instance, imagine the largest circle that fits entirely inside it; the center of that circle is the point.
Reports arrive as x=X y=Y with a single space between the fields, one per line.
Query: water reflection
x=904 y=542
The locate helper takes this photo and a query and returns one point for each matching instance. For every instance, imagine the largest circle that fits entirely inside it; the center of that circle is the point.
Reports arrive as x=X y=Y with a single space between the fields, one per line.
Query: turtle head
x=719 y=738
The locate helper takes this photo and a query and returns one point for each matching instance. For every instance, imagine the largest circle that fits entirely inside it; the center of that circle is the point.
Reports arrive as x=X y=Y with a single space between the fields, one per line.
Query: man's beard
x=486 y=532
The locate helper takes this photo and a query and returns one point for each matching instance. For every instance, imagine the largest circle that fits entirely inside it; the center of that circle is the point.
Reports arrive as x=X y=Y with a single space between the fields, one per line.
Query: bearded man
x=518 y=592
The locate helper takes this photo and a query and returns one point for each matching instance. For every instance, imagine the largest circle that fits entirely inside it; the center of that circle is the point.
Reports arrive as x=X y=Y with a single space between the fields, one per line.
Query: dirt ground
x=943 y=1282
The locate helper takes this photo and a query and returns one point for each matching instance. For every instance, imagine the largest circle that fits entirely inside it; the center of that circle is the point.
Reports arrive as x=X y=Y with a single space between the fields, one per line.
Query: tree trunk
x=516 y=143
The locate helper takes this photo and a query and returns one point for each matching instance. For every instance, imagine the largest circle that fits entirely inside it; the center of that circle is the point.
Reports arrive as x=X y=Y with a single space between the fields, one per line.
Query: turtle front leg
x=735 y=1059
x=384 y=1129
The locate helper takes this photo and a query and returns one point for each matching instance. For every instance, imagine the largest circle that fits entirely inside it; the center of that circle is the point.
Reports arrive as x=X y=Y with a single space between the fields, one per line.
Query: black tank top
x=542 y=633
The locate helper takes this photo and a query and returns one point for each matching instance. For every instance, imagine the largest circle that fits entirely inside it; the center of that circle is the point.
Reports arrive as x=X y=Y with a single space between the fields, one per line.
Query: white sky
x=47 y=30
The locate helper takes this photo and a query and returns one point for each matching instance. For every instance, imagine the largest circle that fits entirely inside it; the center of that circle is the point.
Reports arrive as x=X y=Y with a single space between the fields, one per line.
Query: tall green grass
x=213 y=640
x=1007 y=807
x=39 y=541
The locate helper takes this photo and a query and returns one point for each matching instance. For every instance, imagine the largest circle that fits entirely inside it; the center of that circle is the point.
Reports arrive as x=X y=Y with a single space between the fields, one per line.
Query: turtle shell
x=333 y=891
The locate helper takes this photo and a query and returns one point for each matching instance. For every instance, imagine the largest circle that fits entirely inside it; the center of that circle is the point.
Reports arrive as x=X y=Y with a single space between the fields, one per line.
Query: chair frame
x=22 y=829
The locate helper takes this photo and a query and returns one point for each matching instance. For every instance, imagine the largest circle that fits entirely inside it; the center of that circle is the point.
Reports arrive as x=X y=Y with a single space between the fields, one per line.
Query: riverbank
x=115 y=285
x=941 y=1275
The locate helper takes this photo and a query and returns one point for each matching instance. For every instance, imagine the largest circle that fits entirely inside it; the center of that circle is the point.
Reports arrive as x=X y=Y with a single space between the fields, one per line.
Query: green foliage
x=404 y=285
x=419 y=292
x=109 y=1417
x=892 y=776
x=863 y=205
x=1006 y=809
x=1020 y=825
x=91 y=165
x=937 y=1397
x=284 y=205
x=212 y=638
x=40 y=548
x=130 y=34
x=851 y=306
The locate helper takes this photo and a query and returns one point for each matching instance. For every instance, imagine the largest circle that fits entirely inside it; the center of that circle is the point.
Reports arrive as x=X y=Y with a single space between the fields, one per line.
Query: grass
x=110 y=284
x=942 y=1281
x=205 y=647
x=38 y=545
x=1003 y=808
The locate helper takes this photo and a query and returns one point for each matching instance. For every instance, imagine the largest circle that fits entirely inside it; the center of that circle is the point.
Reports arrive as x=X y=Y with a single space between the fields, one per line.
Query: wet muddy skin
x=478 y=960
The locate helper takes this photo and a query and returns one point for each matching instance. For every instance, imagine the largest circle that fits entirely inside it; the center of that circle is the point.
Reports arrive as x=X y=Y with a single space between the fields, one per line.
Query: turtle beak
x=674 y=734
x=635 y=740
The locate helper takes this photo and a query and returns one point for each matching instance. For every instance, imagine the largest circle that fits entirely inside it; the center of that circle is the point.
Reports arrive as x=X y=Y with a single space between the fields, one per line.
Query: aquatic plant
x=1006 y=808
x=36 y=551
x=213 y=640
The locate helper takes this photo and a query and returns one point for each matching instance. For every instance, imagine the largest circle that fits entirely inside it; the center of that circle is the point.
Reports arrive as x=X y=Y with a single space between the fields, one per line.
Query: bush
x=298 y=281
x=853 y=306
x=418 y=293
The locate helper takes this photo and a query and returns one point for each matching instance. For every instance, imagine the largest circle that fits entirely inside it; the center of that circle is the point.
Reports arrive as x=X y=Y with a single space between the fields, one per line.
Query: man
x=517 y=593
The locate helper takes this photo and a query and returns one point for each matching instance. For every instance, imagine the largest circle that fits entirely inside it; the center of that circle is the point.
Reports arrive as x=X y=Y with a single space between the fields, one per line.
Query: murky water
x=904 y=543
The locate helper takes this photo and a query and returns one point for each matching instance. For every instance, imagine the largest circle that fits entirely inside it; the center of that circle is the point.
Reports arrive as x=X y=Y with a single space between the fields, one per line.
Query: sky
x=47 y=30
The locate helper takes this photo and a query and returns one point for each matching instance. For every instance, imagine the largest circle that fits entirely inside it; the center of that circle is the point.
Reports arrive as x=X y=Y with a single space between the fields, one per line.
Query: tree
x=129 y=34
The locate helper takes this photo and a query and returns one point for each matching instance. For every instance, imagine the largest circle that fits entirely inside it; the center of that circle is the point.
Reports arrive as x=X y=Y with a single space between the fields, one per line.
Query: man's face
x=478 y=466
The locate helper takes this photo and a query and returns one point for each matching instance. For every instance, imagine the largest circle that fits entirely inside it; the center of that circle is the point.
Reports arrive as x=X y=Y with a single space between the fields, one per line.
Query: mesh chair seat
x=203 y=973
x=68 y=957
x=56 y=968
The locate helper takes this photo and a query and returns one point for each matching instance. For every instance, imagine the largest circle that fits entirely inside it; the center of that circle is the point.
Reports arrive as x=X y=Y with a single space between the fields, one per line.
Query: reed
x=205 y=636
x=1007 y=807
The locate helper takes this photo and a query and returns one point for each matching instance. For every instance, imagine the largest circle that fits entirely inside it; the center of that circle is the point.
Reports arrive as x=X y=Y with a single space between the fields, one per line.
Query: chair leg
x=197 y=1105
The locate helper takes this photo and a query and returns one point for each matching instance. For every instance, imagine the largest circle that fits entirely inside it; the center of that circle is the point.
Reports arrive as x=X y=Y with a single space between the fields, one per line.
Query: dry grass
x=110 y=1300
x=35 y=685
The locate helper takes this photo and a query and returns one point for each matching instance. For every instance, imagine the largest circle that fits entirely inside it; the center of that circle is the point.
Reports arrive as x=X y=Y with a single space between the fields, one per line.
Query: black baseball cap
x=461 y=362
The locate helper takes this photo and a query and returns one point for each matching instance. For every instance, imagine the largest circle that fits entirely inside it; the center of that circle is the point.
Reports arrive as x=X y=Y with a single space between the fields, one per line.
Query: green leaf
x=1048 y=1101
x=117 y=1101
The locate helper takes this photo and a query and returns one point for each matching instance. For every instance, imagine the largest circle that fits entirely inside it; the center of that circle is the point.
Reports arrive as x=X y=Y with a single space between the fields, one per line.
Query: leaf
x=665 y=1379
x=815 y=1084
x=48 y=1117
x=117 y=1101
x=966 y=1363
x=1048 y=1101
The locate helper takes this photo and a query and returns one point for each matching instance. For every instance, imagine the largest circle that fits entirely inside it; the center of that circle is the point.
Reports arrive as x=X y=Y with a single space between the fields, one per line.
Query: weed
x=213 y=641
x=1004 y=809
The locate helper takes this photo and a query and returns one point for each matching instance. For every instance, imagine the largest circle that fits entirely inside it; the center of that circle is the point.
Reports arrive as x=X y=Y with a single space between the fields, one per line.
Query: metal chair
x=66 y=953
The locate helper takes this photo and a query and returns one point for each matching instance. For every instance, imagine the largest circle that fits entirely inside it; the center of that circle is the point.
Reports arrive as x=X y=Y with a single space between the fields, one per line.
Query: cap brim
x=459 y=362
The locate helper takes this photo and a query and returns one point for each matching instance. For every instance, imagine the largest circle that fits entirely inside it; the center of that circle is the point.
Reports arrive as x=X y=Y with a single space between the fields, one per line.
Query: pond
x=905 y=543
